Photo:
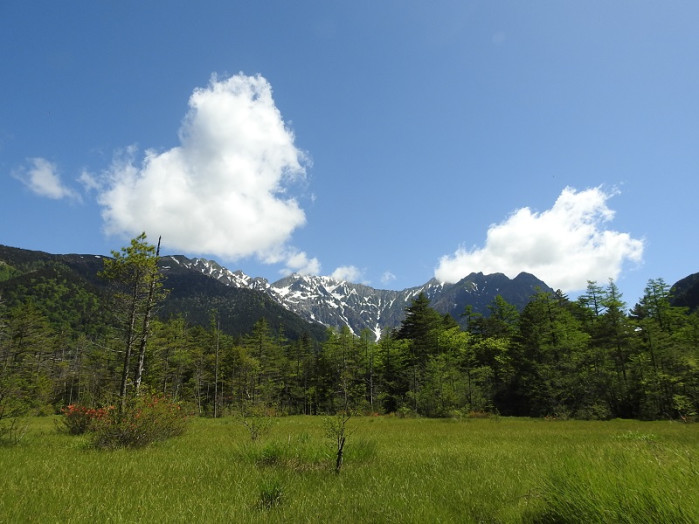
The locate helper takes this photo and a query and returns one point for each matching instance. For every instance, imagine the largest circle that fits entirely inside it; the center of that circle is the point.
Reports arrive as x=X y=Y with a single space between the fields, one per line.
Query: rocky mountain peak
x=337 y=303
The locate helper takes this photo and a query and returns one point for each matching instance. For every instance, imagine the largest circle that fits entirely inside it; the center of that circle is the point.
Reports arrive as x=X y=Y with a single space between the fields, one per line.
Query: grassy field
x=395 y=470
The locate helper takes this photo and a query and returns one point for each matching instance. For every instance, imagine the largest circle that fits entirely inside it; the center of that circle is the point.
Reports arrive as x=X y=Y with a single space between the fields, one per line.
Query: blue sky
x=382 y=142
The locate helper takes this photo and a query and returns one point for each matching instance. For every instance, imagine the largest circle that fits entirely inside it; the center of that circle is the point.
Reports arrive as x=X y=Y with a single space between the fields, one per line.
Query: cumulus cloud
x=223 y=189
x=564 y=246
x=42 y=178
x=347 y=273
x=297 y=262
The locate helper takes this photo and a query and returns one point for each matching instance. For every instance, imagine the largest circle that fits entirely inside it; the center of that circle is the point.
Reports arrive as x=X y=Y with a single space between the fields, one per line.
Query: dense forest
x=62 y=342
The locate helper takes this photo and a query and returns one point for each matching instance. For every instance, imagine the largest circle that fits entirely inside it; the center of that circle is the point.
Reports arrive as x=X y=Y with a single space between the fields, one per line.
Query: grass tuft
x=271 y=493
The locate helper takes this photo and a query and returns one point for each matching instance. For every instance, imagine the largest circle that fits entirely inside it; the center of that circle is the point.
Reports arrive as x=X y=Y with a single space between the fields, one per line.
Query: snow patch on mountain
x=337 y=303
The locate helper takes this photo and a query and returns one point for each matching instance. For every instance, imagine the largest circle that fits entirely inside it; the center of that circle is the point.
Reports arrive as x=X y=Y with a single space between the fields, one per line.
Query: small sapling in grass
x=13 y=430
x=336 y=430
x=257 y=422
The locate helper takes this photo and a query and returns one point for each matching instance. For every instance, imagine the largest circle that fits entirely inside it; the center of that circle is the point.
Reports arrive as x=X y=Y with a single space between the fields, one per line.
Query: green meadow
x=395 y=470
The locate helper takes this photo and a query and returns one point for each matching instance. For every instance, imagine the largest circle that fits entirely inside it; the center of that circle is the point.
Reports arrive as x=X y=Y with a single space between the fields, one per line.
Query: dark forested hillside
x=685 y=292
x=55 y=281
x=196 y=296
x=478 y=291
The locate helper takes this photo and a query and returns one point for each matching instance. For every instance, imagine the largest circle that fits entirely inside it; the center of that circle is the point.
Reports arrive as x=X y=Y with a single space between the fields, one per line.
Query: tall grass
x=644 y=480
x=395 y=470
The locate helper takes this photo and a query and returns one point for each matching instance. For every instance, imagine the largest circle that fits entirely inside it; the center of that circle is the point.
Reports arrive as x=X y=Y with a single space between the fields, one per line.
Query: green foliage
x=12 y=430
x=500 y=323
x=15 y=400
x=78 y=420
x=143 y=420
x=136 y=288
x=65 y=341
x=7 y=271
x=258 y=423
x=69 y=303
x=421 y=326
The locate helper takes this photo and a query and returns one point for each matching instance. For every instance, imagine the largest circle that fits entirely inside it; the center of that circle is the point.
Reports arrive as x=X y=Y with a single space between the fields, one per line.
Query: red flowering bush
x=78 y=419
x=145 y=419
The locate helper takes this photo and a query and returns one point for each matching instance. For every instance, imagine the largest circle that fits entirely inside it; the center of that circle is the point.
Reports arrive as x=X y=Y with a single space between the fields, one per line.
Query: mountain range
x=296 y=304
x=336 y=303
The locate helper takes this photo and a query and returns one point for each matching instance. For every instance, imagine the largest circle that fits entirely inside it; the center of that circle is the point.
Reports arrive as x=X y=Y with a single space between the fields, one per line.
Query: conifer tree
x=136 y=282
x=549 y=347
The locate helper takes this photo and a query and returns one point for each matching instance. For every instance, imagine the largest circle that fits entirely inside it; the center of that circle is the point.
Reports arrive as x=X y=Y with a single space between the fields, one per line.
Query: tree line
x=589 y=358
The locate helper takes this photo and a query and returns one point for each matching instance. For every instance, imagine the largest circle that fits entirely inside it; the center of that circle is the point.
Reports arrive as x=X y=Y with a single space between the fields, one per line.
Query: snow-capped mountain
x=338 y=303
x=216 y=271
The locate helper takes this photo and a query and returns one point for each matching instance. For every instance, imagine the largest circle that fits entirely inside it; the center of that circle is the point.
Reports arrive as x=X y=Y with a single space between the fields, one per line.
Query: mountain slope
x=338 y=303
x=193 y=294
x=295 y=304
x=686 y=292
x=196 y=294
x=479 y=291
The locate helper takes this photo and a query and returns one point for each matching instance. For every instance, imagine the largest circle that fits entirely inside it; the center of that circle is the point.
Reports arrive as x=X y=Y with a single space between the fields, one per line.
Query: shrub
x=597 y=411
x=405 y=412
x=12 y=430
x=257 y=425
x=78 y=419
x=13 y=409
x=144 y=420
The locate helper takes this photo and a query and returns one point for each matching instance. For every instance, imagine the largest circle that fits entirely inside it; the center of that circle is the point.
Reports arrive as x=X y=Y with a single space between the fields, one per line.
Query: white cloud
x=43 y=179
x=347 y=273
x=89 y=181
x=297 y=262
x=564 y=246
x=222 y=190
x=387 y=277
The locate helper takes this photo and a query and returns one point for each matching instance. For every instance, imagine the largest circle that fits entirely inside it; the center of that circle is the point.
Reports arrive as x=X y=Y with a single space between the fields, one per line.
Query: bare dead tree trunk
x=127 y=354
x=340 y=452
x=336 y=428
x=146 y=320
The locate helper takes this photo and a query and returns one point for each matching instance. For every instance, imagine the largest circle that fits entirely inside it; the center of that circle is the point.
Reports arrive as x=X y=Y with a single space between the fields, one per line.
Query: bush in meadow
x=78 y=419
x=143 y=420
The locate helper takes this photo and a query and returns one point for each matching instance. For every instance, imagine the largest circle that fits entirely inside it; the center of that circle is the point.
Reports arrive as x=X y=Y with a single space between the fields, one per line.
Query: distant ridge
x=337 y=303
x=686 y=292
x=192 y=294
x=295 y=304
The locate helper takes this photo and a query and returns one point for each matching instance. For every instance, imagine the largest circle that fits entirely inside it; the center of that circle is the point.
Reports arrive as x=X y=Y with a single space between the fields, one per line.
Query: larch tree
x=136 y=283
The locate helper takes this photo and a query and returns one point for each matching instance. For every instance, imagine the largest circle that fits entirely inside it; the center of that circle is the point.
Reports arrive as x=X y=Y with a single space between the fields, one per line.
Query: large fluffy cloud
x=42 y=178
x=565 y=246
x=222 y=190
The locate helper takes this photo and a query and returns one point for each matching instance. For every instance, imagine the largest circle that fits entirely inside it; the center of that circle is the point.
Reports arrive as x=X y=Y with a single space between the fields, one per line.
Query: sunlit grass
x=395 y=470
